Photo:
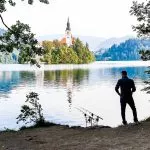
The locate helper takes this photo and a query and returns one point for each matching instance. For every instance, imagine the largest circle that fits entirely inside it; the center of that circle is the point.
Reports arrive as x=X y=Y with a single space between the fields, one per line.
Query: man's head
x=124 y=74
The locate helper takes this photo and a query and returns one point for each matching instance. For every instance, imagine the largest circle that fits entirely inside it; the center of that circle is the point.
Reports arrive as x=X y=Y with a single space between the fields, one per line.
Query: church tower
x=68 y=39
x=68 y=34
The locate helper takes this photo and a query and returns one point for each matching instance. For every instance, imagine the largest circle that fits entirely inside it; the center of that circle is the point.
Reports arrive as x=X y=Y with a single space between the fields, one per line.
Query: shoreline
x=59 y=137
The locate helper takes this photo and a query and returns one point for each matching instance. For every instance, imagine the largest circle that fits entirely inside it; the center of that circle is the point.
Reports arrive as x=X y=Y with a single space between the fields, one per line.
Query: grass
x=39 y=125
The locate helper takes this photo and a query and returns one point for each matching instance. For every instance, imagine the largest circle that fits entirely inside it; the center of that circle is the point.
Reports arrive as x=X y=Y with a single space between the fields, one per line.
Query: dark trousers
x=124 y=101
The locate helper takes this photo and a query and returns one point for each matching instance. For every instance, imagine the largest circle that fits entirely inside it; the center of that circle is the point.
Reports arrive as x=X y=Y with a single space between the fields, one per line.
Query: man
x=127 y=87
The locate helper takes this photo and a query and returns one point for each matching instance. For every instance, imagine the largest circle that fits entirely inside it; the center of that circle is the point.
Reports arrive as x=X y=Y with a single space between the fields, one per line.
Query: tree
x=48 y=48
x=68 y=56
x=142 y=12
x=31 y=113
x=19 y=36
x=84 y=55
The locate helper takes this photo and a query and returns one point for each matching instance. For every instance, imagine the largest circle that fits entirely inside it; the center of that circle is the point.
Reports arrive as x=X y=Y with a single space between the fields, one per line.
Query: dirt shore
x=131 y=137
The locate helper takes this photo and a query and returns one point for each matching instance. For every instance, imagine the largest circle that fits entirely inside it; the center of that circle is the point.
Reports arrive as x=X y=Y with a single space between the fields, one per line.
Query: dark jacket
x=127 y=87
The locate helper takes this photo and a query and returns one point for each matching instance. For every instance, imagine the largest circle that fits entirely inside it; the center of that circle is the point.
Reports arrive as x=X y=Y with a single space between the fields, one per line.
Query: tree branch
x=4 y=23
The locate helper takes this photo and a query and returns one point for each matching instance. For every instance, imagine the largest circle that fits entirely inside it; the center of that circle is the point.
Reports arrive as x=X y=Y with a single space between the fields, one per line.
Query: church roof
x=63 y=41
x=68 y=25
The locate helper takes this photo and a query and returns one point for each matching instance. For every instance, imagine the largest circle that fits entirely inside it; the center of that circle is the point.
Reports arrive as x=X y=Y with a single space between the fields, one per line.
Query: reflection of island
x=68 y=79
x=62 y=77
x=69 y=95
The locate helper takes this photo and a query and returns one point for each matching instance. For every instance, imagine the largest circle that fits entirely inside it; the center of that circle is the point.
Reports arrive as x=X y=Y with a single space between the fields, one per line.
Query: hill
x=128 y=50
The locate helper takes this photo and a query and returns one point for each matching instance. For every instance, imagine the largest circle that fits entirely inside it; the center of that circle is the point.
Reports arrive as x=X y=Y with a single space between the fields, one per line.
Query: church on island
x=68 y=39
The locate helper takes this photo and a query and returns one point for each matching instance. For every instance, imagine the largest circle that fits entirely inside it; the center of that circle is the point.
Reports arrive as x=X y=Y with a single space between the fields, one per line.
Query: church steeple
x=68 y=39
x=68 y=25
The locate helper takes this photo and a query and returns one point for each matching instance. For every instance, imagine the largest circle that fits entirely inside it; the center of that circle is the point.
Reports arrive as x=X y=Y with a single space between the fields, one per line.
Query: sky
x=101 y=18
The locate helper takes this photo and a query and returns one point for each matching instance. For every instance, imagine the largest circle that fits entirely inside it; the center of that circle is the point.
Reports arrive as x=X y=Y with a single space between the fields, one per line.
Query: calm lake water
x=62 y=88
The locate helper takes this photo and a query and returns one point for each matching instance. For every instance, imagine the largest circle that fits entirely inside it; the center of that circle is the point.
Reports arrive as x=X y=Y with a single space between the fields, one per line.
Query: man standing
x=127 y=87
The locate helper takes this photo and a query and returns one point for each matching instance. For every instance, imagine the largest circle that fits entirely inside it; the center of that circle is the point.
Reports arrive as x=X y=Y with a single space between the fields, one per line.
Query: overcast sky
x=102 y=18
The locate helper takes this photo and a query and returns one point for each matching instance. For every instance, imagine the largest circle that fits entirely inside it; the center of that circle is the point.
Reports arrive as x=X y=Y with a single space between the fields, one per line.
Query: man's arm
x=117 y=87
x=133 y=86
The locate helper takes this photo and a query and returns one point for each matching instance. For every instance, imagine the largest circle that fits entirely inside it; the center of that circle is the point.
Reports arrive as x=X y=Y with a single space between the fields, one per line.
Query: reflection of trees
x=27 y=76
x=67 y=79
x=62 y=77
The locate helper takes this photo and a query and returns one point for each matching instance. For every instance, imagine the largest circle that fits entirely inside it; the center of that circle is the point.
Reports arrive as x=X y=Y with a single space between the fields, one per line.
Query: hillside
x=128 y=50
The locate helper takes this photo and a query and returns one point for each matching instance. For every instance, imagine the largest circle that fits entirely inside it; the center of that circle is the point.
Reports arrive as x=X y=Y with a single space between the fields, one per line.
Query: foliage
x=32 y=112
x=57 y=53
x=4 y=3
x=19 y=36
x=128 y=50
x=23 y=40
x=142 y=12
x=145 y=54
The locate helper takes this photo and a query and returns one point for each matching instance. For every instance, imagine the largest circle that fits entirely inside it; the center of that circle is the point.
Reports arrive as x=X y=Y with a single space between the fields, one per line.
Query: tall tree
x=142 y=12
x=19 y=36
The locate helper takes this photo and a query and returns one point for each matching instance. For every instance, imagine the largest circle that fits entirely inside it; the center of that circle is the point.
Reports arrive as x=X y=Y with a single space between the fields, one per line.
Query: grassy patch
x=39 y=124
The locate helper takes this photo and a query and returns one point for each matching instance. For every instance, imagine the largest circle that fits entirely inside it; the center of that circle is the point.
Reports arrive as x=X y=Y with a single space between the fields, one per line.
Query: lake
x=63 y=88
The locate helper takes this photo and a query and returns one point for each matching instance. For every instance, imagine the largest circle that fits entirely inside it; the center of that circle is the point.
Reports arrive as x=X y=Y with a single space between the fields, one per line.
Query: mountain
x=128 y=50
x=109 y=42
x=91 y=40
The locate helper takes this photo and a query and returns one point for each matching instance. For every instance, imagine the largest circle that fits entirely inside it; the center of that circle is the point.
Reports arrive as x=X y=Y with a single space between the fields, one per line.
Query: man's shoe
x=124 y=122
x=136 y=122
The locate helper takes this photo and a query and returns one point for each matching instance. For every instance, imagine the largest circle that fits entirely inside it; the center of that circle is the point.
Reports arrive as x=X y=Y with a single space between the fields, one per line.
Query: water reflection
x=67 y=79
x=62 y=77
x=133 y=72
x=8 y=81
x=69 y=95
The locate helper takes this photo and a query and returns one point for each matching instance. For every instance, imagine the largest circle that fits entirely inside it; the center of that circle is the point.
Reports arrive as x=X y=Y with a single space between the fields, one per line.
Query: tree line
x=57 y=53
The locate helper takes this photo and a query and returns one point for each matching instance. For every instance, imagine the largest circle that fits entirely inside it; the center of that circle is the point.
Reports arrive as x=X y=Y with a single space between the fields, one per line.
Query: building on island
x=68 y=39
